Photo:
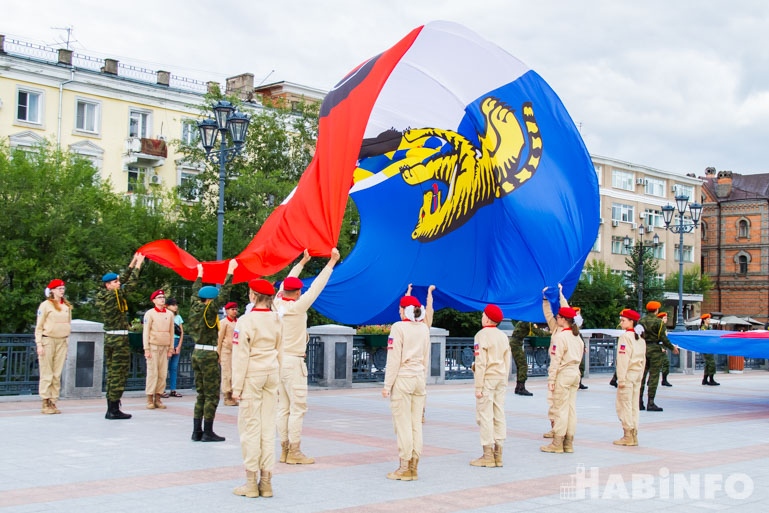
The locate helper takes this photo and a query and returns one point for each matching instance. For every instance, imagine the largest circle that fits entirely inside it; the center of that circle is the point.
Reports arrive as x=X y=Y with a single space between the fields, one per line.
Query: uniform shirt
x=294 y=313
x=226 y=329
x=655 y=333
x=492 y=355
x=158 y=328
x=566 y=349
x=408 y=351
x=631 y=356
x=256 y=347
x=51 y=322
x=112 y=303
x=203 y=318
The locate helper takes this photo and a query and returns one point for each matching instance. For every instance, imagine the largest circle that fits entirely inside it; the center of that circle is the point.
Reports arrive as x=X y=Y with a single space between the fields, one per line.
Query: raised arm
x=297 y=269
x=429 y=311
x=308 y=298
x=548 y=313
x=224 y=293
x=132 y=273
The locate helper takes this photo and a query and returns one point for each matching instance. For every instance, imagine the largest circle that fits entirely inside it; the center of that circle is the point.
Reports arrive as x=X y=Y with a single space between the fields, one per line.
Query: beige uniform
x=158 y=338
x=51 y=332
x=566 y=350
x=292 y=401
x=256 y=360
x=224 y=348
x=554 y=330
x=492 y=366
x=631 y=360
x=408 y=354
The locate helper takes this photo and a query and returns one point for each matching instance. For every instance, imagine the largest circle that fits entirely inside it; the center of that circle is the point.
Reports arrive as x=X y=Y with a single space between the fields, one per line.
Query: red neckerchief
x=161 y=311
x=489 y=326
x=260 y=309
x=288 y=299
x=62 y=301
x=231 y=320
x=630 y=329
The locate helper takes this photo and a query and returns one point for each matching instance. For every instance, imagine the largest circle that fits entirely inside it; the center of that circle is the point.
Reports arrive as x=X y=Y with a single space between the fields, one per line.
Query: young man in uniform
x=710 y=360
x=522 y=330
x=656 y=337
x=492 y=367
x=292 y=400
x=117 y=350
x=204 y=326
x=158 y=336
x=224 y=348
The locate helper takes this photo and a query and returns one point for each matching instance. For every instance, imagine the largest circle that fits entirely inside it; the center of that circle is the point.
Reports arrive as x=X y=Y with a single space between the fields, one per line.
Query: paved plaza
x=708 y=451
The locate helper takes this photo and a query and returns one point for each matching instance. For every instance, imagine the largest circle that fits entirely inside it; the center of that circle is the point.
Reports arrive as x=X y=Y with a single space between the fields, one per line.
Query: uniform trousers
x=207 y=380
x=407 y=400
x=256 y=421
x=226 y=365
x=490 y=412
x=157 y=370
x=628 y=398
x=292 y=401
x=51 y=364
x=521 y=366
x=565 y=400
x=117 y=357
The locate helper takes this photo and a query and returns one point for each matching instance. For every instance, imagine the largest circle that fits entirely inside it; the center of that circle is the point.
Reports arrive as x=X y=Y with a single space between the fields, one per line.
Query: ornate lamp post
x=681 y=228
x=226 y=120
x=628 y=242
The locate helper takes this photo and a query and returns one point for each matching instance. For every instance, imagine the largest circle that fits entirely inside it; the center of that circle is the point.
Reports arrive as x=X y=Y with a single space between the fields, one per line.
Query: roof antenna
x=265 y=78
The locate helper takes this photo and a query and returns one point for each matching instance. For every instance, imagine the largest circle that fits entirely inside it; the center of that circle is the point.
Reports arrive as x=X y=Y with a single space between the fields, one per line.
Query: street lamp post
x=628 y=242
x=227 y=120
x=681 y=228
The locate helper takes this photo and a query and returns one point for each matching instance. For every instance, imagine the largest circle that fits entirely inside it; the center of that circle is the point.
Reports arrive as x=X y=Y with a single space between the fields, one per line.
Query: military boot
x=208 y=432
x=150 y=402
x=228 y=400
x=265 y=483
x=52 y=406
x=550 y=433
x=295 y=456
x=705 y=379
x=568 y=443
x=403 y=473
x=641 y=403
x=498 y=454
x=713 y=382
x=635 y=437
x=665 y=382
x=487 y=460
x=158 y=403
x=581 y=386
x=283 y=451
x=46 y=409
x=250 y=489
x=114 y=413
x=197 y=430
x=523 y=390
x=627 y=438
x=413 y=464
x=613 y=381
x=556 y=446
x=650 y=406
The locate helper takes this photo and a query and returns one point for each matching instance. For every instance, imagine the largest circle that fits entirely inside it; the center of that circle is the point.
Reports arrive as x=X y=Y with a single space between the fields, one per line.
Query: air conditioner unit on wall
x=600 y=220
x=615 y=223
x=632 y=226
x=156 y=180
x=640 y=181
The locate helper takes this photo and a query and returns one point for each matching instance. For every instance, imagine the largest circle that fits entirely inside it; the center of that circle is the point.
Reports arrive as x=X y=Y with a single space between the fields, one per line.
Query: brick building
x=735 y=243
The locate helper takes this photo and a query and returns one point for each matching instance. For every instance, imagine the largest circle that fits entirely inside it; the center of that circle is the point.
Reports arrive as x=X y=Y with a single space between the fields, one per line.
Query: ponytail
x=56 y=303
x=417 y=312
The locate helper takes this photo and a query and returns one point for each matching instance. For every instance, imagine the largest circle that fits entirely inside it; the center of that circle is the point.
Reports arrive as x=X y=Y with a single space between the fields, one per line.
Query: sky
x=677 y=85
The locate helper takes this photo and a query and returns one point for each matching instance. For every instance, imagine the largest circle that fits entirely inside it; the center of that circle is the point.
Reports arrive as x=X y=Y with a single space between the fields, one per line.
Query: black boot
x=517 y=388
x=114 y=413
x=197 y=429
x=712 y=381
x=522 y=390
x=208 y=432
x=650 y=406
x=705 y=379
x=613 y=382
x=641 y=403
x=665 y=382
x=581 y=386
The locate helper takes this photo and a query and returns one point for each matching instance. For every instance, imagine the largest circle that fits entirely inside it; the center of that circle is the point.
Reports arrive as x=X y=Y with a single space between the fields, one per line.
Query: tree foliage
x=601 y=295
x=652 y=287
x=694 y=282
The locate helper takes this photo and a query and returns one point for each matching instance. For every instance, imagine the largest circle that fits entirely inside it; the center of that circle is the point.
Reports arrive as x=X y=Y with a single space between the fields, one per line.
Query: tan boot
x=635 y=437
x=498 y=454
x=46 y=408
x=551 y=433
x=627 y=438
x=403 y=473
x=487 y=460
x=52 y=406
x=150 y=402
x=265 y=484
x=158 y=403
x=568 y=443
x=295 y=456
x=228 y=400
x=413 y=464
x=555 y=446
x=250 y=489
x=283 y=451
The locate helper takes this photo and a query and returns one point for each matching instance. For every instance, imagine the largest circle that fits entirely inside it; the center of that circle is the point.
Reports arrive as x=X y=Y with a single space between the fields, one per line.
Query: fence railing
x=314 y=360
x=368 y=363
x=19 y=372
x=137 y=370
x=603 y=354
x=459 y=357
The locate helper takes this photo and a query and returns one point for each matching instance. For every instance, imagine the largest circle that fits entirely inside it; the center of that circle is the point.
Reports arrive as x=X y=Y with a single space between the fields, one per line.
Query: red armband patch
x=234 y=337
x=389 y=343
x=552 y=349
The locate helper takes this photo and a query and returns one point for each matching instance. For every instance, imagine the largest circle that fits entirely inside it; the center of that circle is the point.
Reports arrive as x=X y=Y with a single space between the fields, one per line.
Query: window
x=138 y=124
x=190 y=133
x=659 y=251
x=622 y=180
x=686 y=190
x=654 y=218
x=688 y=254
x=87 y=116
x=136 y=180
x=597 y=244
x=743 y=260
x=704 y=230
x=618 y=246
x=28 y=106
x=189 y=186
x=625 y=276
x=599 y=173
x=655 y=187
x=622 y=212
x=744 y=229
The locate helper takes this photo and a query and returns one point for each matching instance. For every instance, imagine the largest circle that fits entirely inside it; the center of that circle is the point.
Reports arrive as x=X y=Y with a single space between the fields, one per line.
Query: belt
x=205 y=348
x=117 y=332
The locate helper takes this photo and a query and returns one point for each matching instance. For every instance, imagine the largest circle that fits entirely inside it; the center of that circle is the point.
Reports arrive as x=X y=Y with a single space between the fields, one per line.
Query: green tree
x=694 y=282
x=652 y=287
x=601 y=295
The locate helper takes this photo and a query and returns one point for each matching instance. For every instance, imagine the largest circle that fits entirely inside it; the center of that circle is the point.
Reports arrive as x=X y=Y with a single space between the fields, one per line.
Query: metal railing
x=19 y=372
x=603 y=353
x=722 y=362
x=137 y=370
x=459 y=357
x=314 y=360
x=46 y=53
x=537 y=359
x=368 y=363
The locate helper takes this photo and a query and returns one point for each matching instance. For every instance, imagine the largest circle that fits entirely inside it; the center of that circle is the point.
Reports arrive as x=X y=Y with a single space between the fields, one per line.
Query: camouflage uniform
x=203 y=325
x=710 y=365
x=117 y=350
x=656 y=336
x=522 y=330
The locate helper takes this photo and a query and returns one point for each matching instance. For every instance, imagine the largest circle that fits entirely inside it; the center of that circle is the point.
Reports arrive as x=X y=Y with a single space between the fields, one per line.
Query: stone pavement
x=709 y=450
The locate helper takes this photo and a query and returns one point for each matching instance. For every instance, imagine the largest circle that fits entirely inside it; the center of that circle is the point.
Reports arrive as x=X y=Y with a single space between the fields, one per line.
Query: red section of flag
x=312 y=218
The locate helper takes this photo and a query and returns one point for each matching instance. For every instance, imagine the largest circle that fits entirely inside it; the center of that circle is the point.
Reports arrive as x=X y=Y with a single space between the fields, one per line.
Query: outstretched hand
x=335 y=256
x=200 y=270
x=430 y=289
x=232 y=266
x=408 y=290
x=305 y=257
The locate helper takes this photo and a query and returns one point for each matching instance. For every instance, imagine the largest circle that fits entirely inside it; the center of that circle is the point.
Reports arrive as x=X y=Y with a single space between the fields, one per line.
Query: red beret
x=230 y=305
x=653 y=305
x=703 y=316
x=261 y=286
x=630 y=314
x=567 y=312
x=494 y=313
x=55 y=283
x=409 y=301
x=156 y=294
x=292 y=283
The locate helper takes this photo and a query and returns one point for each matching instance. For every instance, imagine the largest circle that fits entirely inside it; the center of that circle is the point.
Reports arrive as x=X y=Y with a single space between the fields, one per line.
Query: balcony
x=140 y=151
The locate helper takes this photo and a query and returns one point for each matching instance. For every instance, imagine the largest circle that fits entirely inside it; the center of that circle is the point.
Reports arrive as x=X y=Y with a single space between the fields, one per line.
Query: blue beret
x=208 y=292
x=109 y=277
